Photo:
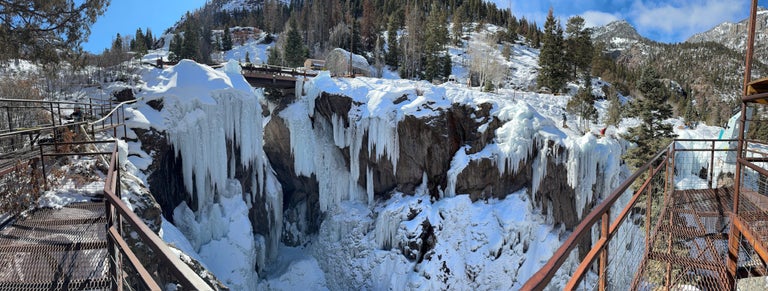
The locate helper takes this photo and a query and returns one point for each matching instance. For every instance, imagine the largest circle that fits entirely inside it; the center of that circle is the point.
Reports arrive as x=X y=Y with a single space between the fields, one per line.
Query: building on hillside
x=314 y=64
x=337 y=62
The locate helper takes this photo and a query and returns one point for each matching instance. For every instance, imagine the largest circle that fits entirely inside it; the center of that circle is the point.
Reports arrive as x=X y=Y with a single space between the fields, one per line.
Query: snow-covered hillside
x=400 y=241
x=366 y=183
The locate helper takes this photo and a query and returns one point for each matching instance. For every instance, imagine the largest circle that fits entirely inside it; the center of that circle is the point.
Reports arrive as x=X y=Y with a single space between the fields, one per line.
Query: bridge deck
x=50 y=249
x=689 y=244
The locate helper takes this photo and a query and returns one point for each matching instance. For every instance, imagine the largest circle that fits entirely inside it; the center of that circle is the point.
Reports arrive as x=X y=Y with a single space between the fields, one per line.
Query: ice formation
x=315 y=145
x=588 y=159
x=207 y=114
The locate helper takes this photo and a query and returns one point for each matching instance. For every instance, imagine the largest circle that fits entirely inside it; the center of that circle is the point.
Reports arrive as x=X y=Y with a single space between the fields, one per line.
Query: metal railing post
x=122 y=121
x=42 y=163
x=603 y=272
x=648 y=214
x=10 y=121
x=712 y=167
x=53 y=120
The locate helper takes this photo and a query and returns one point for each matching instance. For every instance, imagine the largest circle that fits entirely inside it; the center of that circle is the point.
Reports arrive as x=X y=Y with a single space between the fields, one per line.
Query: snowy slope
x=365 y=243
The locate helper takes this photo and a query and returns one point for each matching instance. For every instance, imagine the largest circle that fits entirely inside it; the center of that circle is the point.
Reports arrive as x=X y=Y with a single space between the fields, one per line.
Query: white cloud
x=683 y=18
x=598 y=18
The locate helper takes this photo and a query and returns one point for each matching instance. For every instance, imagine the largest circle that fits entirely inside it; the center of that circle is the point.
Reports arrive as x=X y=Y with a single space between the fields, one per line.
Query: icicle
x=539 y=171
x=458 y=163
x=205 y=121
x=369 y=185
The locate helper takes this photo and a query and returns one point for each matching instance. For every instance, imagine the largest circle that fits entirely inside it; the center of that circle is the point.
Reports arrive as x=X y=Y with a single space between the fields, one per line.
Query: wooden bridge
x=83 y=245
x=695 y=217
x=267 y=76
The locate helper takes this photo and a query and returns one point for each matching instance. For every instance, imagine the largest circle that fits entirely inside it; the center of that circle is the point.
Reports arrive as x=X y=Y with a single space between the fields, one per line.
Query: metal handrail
x=187 y=277
x=117 y=213
x=541 y=278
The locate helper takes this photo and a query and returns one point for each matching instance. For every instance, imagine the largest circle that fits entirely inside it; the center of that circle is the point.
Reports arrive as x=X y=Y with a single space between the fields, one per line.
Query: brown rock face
x=426 y=147
x=297 y=190
x=165 y=180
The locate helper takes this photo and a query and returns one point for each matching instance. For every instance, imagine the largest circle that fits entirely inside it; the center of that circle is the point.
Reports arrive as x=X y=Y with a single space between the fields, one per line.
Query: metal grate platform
x=50 y=249
x=689 y=247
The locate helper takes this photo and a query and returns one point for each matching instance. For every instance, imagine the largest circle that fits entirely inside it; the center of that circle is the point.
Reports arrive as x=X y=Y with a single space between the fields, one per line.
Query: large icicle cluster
x=204 y=109
x=588 y=158
x=377 y=109
x=207 y=114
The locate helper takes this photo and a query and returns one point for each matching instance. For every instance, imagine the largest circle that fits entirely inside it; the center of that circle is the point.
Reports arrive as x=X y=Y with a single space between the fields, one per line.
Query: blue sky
x=665 y=21
x=125 y=16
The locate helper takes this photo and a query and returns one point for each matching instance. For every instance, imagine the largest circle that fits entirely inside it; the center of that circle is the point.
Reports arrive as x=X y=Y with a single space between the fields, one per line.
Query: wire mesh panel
x=19 y=189
x=689 y=245
x=54 y=249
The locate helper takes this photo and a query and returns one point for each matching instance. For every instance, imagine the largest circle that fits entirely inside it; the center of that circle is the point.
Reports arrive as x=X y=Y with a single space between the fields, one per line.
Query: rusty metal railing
x=611 y=247
x=126 y=270
x=600 y=214
x=117 y=214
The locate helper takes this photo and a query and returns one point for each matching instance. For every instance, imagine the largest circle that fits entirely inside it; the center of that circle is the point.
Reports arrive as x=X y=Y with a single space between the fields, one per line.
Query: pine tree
x=139 y=43
x=653 y=134
x=275 y=57
x=393 y=54
x=357 y=44
x=46 y=30
x=435 y=39
x=295 y=52
x=553 y=71
x=579 y=49
x=149 y=40
x=226 y=40
x=613 y=116
x=189 y=47
x=117 y=45
x=457 y=31
x=175 y=47
x=583 y=104
x=447 y=65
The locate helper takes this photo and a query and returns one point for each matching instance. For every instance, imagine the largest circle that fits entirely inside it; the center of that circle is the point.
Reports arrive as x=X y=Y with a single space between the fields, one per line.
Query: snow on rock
x=378 y=108
x=222 y=226
x=588 y=159
x=452 y=243
x=212 y=119
x=69 y=193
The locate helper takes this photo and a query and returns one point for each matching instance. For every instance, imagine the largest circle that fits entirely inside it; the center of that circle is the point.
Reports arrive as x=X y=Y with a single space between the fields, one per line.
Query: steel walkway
x=56 y=249
x=694 y=217
x=82 y=246
x=690 y=241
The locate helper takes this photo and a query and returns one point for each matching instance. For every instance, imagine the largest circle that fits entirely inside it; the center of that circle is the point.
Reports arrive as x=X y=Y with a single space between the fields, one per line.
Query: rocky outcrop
x=426 y=148
x=165 y=182
x=300 y=199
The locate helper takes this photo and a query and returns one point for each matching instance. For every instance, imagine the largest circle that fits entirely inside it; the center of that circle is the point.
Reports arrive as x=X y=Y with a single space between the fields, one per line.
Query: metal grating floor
x=689 y=246
x=51 y=249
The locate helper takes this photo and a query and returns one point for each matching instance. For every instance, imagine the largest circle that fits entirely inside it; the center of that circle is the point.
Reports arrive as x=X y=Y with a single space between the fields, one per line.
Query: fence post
x=603 y=272
x=125 y=128
x=42 y=163
x=648 y=214
x=10 y=121
x=712 y=166
x=53 y=120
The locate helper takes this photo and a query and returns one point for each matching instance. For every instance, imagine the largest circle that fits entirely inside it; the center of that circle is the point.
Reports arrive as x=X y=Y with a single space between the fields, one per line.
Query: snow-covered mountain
x=734 y=35
x=619 y=35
